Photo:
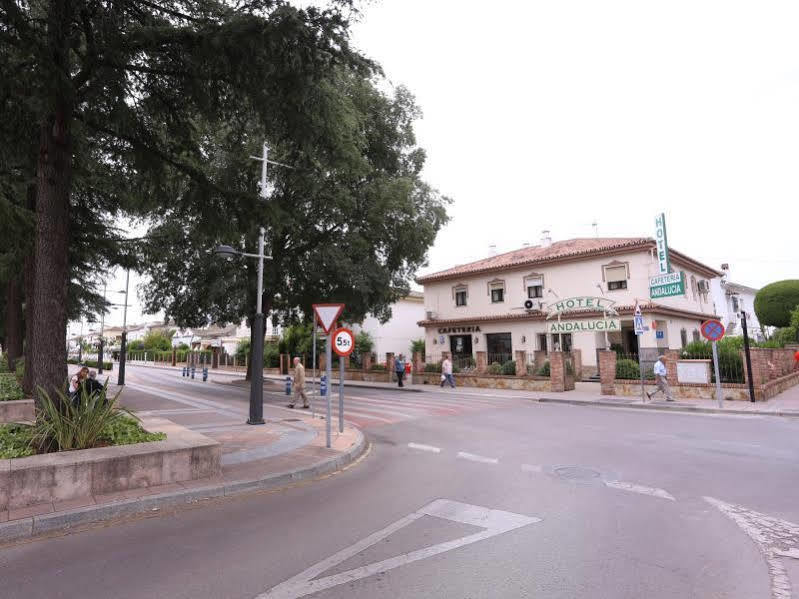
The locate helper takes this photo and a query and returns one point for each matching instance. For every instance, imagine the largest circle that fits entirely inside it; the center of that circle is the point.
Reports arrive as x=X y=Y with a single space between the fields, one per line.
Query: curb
x=678 y=408
x=37 y=526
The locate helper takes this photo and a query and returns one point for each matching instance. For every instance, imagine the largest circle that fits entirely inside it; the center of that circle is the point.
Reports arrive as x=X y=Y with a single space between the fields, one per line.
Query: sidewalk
x=785 y=404
x=288 y=449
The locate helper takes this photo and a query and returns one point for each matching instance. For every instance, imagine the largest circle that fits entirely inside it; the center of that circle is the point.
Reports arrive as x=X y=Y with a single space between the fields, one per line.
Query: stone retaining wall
x=489 y=381
x=684 y=390
x=21 y=410
x=184 y=455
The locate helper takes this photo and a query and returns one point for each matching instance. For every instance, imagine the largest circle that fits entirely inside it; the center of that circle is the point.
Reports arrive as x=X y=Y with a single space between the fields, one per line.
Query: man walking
x=662 y=381
x=299 y=384
x=446 y=373
x=399 y=368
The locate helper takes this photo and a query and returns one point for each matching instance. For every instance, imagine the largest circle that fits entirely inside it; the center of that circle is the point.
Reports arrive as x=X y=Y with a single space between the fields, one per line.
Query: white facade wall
x=568 y=279
x=722 y=298
x=395 y=336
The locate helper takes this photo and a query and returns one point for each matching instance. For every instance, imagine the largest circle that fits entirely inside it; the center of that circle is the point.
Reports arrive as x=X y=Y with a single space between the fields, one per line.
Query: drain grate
x=577 y=473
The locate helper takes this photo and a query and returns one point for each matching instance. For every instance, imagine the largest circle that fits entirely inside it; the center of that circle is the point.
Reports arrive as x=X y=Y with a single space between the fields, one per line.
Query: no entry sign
x=712 y=330
x=343 y=342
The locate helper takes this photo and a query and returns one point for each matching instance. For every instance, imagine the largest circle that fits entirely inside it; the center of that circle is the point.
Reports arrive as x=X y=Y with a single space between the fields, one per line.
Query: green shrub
x=380 y=367
x=91 y=363
x=432 y=367
x=4 y=369
x=417 y=346
x=126 y=430
x=509 y=367
x=627 y=370
x=544 y=370
x=495 y=368
x=775 y=302
x=271 y=355
x=10 y=389
x=16 y=441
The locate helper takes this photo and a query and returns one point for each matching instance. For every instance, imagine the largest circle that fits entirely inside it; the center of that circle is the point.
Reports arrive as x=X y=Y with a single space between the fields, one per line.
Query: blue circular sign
x=712 y=330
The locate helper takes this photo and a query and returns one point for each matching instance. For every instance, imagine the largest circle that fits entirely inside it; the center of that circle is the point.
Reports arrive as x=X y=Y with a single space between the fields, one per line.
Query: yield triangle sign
x=327 y=314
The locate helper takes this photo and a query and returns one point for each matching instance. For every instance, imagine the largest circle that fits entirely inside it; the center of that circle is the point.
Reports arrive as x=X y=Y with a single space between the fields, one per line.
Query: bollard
x=323 y=385
x=205 y=374
x=288 y=385
x=192 y=372
x=183 y=371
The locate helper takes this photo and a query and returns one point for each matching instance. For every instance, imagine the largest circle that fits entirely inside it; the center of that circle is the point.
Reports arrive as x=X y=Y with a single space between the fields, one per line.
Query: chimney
x=492 y=250
x=546 y=238
x=725 y=268
x=526 y=244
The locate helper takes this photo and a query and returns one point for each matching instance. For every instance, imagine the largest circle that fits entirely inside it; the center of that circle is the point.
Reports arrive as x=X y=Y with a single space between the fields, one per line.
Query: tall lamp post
x=257 y=374
x=102 y=326
x=124 y=344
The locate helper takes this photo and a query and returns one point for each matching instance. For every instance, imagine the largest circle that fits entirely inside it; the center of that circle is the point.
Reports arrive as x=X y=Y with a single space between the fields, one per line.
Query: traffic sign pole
x=329 y=367
x=340 y=394
x=718 y=378
x=638 y=325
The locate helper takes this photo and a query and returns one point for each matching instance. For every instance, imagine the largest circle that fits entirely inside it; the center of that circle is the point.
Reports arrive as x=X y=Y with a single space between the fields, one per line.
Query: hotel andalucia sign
x=589 y=325
x=665 y=283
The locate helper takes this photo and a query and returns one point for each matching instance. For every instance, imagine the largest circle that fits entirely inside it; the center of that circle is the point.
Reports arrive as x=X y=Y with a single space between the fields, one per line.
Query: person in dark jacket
x=399 y=368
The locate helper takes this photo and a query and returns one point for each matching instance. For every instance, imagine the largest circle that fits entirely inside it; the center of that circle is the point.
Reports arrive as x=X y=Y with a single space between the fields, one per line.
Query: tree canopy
x=775 y=302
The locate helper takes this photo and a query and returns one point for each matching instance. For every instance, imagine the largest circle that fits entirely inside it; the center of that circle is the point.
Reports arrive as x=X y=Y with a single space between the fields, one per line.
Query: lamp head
x=225 y=250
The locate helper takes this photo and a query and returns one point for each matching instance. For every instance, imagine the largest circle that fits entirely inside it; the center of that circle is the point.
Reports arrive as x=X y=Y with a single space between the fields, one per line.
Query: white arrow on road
x=495 y=522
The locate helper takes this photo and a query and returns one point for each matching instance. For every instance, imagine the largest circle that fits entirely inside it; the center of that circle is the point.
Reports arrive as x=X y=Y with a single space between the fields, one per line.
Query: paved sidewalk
x=289 y=448
x=785 y=404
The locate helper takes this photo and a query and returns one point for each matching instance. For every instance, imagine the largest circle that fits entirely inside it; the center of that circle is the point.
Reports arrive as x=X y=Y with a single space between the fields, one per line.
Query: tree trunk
x=13 y=318
x=30 y=271
x=53 y=182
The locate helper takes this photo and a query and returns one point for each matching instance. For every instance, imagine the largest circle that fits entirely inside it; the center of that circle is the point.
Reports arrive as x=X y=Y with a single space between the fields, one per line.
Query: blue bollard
x=323 y=385
x=288 y=385
x=205 y=374
x=192 y=372
x=184 y=373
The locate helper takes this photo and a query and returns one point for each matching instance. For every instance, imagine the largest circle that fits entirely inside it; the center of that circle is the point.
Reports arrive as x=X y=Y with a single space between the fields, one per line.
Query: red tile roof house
x=483 y=305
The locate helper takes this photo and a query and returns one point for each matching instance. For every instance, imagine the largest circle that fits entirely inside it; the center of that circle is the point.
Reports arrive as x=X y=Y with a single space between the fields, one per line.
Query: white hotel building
x=483 y=305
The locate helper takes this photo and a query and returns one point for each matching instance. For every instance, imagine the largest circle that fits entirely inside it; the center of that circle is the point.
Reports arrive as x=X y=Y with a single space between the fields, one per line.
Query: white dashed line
x=421 y=447
x=634 y=488
x=477 y=458
x=532 y=468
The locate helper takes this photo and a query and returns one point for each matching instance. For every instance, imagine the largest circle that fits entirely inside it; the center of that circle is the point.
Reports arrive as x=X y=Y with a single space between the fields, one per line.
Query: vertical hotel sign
x=665 y=283
x=662 y=244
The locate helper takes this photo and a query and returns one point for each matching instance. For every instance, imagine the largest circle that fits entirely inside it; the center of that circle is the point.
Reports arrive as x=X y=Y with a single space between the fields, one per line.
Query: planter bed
x=20 y=410
x=53 y=477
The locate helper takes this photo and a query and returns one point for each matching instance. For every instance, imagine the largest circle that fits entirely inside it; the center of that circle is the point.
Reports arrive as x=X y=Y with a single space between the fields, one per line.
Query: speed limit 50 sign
x=343 y=342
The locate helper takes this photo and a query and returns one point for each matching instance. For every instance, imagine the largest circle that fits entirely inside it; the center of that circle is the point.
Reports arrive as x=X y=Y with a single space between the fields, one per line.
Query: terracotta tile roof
x=558 y=250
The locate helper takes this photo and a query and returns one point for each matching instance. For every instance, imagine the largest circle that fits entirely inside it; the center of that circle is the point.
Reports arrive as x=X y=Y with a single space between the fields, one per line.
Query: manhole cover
x=291 y=420
x=576 y=473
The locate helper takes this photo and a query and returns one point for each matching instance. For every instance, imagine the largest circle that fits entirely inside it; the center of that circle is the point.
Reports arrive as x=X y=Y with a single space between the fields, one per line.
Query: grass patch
x=127 y=430
x=10 y=389
x=16 y=441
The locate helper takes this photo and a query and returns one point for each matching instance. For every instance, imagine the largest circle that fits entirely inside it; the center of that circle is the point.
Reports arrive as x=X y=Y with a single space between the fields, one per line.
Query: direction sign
x=343 y=342
x=712 y=330
x=327 y=314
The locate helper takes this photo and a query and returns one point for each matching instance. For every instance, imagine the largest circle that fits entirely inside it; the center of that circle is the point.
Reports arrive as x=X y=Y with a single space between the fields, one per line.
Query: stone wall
x=21 y=410
x=489 y=381
x=730 y=391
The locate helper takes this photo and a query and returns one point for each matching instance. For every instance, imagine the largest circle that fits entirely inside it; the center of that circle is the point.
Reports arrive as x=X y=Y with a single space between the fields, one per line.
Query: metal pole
x=748 y=358
x=102 y=327
x=257 y=378
x=313 y=372
x=329 y=368
x=340 y=394
x=641 y=370
x=124 y=345
x=718 y=378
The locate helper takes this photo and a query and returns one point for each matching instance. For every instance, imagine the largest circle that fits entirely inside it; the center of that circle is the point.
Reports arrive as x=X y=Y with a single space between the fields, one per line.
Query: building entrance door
x=460 y=346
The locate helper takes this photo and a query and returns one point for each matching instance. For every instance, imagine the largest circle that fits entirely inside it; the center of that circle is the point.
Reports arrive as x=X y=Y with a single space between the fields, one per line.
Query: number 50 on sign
x=343 y=342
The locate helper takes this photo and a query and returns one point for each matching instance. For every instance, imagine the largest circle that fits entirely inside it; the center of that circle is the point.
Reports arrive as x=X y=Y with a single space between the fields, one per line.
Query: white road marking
x=421 y=447
x=774 y=538
x=495 y=522
x=643 y=490
x=477 y=458
x=532 y=468
x=176 y=411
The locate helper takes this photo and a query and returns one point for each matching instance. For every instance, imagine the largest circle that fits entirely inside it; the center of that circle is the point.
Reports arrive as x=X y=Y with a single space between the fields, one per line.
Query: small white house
x=730 y=299
x=395 y=336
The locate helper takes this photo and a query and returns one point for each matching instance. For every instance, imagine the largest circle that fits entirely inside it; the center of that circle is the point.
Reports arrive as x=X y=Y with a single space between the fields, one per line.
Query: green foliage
x=495 y=368
x=4 y=369
x=242 y=350
x=775 y=302
x=157 y=341
x=627 y=369
x=297 y=340
x=271 y=355
x=126 y=430
x=429 y=367
x=135 y=345
x=91 y=363
x=16 y=441
x=544 y=370
x=418 y=346
x=618 y=348
x=10 y=389
x=509 y=367
x=364 y=344
x=183 y=346
x=62 y=424
x=380 y=367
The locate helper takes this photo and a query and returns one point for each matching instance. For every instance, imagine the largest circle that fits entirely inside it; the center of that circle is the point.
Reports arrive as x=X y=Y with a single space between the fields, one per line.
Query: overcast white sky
x=548 y=115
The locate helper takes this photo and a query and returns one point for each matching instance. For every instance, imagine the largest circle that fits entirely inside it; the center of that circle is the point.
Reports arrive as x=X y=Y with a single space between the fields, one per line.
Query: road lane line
x=641 y=489
x=477 y=458
x=421 y=447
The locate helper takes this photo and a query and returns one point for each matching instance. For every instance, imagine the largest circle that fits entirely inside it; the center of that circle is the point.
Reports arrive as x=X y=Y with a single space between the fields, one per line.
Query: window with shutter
x=616 y=277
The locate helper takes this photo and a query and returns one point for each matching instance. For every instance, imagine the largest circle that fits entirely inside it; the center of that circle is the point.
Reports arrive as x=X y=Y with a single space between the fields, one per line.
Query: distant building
x=730 y=300
x=395 y=336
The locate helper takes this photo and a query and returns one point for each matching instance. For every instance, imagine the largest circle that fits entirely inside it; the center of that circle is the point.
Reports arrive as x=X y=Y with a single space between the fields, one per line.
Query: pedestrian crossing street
x=365 y=408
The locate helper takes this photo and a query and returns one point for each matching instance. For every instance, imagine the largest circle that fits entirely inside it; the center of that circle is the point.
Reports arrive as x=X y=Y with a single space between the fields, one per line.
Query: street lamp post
x=102 y=326
x=124 y=344
x=257 y=363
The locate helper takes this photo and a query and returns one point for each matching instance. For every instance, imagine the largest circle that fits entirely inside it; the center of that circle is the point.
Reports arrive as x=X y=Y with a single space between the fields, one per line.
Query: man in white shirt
x=446 y=373
x=661 y=378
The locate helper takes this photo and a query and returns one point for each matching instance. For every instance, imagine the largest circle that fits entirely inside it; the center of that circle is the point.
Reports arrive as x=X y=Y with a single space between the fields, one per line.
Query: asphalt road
x=500 y=498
